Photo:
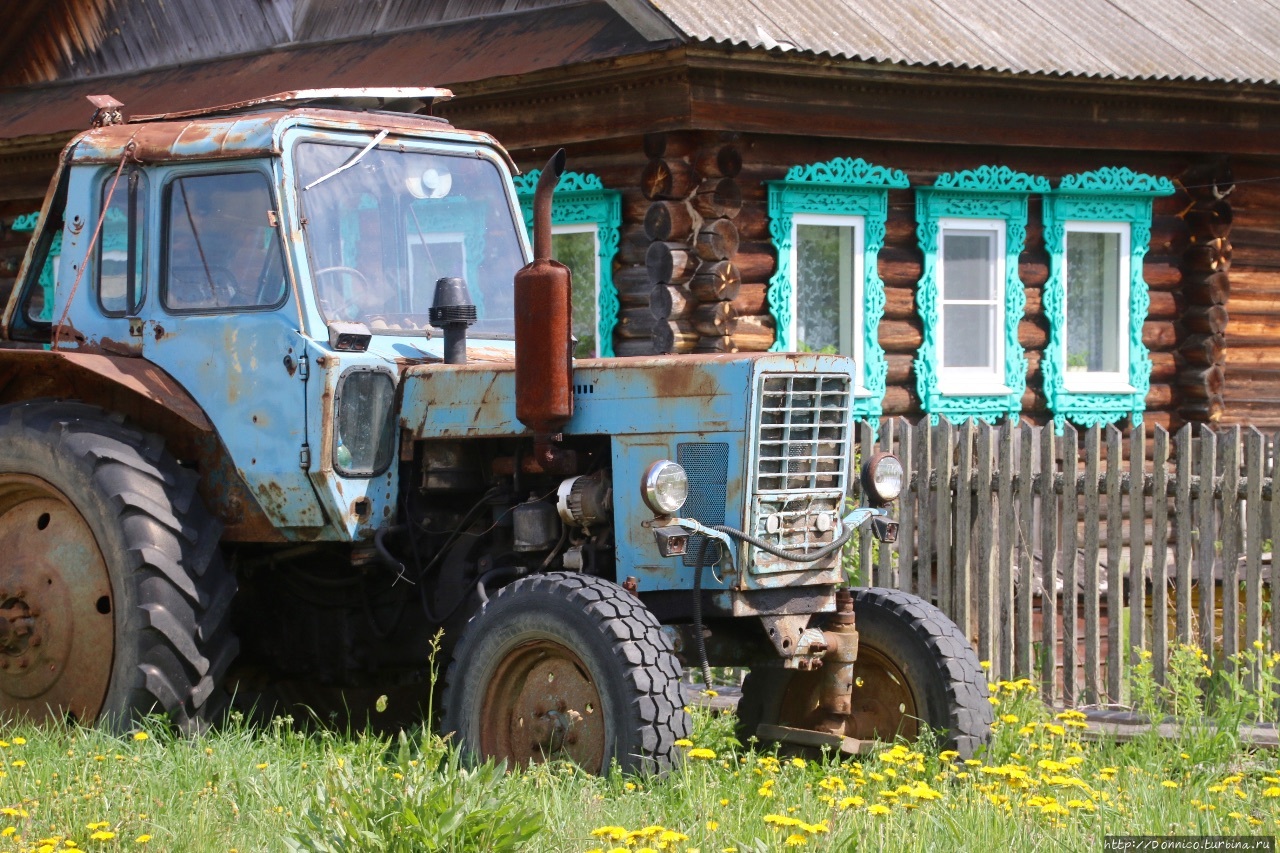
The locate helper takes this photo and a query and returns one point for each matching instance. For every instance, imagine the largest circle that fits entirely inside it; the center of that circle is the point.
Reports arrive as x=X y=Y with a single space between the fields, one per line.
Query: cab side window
x=222 y=250
x=119 y=293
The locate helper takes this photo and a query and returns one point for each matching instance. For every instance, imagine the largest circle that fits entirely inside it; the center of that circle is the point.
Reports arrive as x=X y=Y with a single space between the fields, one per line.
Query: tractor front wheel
x=565 y=666
x=914 y=669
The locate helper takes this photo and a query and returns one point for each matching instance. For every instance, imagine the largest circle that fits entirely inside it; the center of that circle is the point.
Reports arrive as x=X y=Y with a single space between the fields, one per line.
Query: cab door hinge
x=304 y=457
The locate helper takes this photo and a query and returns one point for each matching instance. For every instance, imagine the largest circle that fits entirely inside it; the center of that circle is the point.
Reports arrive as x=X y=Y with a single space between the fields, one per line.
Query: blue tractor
x=272 y=413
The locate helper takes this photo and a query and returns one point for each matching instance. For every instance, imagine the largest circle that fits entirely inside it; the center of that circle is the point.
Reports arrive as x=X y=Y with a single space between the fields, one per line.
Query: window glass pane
x=223 y=251
x=968 y=265
x=1094 y=335
x=577 y=251
x=113 y=249
x=823 y=271
x=967 y=333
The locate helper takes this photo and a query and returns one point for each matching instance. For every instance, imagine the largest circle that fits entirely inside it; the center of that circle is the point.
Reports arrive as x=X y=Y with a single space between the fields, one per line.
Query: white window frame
x=852 y=294
x=434 y=238
x=1117 y=381
x=594 y=230
x=973 y=380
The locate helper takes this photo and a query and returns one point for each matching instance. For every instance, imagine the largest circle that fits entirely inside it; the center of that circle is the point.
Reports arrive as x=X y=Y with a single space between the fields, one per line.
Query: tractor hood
x=613 y=396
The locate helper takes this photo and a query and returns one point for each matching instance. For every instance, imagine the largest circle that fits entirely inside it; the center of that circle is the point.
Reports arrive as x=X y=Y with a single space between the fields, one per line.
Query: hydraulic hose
x=699 y=641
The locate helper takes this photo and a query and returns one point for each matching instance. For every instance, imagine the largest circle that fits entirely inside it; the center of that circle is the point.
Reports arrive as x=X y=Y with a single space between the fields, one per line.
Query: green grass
x=1039 y=787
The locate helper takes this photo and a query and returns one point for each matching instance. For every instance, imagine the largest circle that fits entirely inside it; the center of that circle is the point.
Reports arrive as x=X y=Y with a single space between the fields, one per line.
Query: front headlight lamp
x=882 y=478
x=665 y=487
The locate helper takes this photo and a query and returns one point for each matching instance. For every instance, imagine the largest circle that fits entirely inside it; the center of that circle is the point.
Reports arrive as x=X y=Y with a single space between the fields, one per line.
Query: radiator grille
x=707 y=465
x=803 y=442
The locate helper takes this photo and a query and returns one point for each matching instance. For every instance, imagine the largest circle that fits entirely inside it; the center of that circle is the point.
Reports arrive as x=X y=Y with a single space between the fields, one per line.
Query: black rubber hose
x=381 y=548
x=699 y=641
x=490 y=575
x=793 y=556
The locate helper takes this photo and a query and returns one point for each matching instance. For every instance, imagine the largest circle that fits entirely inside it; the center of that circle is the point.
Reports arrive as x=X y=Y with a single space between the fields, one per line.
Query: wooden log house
x=1072 y=218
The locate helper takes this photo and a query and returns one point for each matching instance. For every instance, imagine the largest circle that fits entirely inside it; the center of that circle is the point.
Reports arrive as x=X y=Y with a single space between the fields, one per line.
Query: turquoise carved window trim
x=24 y=224
x=996 y=196
x=1116 y=200
x=581 y=199
x=859 y=192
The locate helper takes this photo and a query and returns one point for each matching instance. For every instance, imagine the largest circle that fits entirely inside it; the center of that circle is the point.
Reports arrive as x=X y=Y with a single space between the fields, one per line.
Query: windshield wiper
x=382 y=134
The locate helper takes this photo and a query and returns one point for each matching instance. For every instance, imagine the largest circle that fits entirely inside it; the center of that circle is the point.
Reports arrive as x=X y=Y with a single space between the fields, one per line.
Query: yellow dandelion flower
x=7 y=831
x=712 y=825
x=985 y=664
x=815 y=828
x=1272 y=792
x=18 y=763
x=142 y=839
x=1169 y=783
x=710 y=694
x=69 y=844
x=101 y=824
x=1234 y=815
x=795 y=839
x=616 y=833
x=851 y=802
x=703 y=753
x=684 y=743
x=263 y=766
x=1008 y=718
x=19 y=741
x=799 y=762
x=780 y=820
x=724 y=802
x=140 y=735
x=103 y=835
x=878 y=809
x=948 y=755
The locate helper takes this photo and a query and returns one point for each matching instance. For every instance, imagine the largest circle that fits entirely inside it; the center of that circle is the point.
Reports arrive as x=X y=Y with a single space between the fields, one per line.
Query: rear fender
x=154 y=401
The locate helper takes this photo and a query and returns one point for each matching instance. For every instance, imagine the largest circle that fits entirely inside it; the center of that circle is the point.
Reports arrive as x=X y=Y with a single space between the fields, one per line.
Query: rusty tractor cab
x=274 y=424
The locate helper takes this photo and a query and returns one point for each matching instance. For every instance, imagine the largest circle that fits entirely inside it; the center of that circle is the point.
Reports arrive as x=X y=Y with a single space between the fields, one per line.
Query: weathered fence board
x=1065 y=556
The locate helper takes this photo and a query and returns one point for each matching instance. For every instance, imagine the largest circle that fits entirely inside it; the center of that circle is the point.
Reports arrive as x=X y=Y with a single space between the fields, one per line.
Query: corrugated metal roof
x=1224 y=40
x=443 y=55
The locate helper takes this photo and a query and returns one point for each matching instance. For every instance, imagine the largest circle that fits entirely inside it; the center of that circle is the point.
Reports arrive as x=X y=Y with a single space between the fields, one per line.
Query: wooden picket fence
x=1164 y=539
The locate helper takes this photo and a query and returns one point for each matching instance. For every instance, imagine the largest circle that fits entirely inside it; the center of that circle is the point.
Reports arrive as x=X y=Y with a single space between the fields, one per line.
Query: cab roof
x=252 y=127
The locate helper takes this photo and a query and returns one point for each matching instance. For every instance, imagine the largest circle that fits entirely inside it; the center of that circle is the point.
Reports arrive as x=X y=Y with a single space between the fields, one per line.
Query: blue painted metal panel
x=634 y=396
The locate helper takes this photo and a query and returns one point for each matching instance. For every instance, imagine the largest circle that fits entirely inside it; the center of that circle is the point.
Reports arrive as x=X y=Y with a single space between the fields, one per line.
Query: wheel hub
x=542 y=705
x=56 y=623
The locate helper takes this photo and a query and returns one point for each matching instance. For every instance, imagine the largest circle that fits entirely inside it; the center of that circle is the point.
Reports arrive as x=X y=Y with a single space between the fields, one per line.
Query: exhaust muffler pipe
x=544 y=335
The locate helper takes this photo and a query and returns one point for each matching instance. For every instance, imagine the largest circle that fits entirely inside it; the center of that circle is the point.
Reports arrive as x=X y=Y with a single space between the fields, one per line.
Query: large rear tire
x=914 y=667
x=114 y=599
x=566 y=666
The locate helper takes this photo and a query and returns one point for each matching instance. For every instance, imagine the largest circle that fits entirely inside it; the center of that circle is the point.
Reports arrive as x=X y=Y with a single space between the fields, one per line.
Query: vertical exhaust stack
x=544 y=334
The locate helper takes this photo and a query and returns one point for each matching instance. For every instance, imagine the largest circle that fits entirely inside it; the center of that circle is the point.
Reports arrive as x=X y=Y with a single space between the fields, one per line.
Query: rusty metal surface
x=250 y=134
x=880 y=704
x=70 y=371
x=541 y=705
x=57 y=626
x=544 y=323
x=445 y=55
x=396 y=99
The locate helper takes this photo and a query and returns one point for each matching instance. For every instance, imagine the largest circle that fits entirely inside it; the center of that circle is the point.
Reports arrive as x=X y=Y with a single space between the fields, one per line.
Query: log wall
x=1250 y=355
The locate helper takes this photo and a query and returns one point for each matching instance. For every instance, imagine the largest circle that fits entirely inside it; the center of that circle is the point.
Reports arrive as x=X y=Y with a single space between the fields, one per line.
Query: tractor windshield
x=384 y=223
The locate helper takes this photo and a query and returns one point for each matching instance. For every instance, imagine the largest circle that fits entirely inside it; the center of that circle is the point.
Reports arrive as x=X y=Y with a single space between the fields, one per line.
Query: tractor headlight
x=665 y=487
x=882 y=478
x=364 y=426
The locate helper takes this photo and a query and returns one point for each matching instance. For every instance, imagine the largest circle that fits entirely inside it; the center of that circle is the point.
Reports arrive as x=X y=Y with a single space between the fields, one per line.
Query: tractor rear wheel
x=914 y=668
x=113 y=594
x=565 y=666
